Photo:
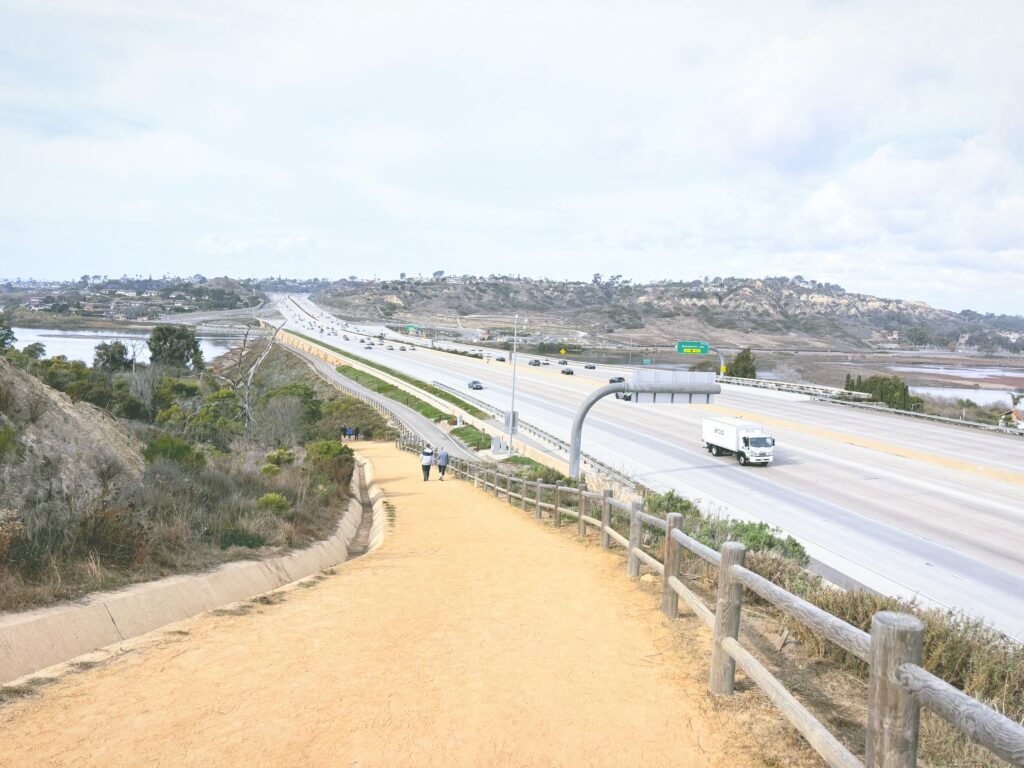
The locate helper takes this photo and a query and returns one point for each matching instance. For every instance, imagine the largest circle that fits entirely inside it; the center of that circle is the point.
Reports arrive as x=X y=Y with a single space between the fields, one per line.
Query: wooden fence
x=897 y=686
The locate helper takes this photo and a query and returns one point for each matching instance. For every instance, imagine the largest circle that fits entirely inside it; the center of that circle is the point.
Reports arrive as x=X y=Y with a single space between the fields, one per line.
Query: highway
x=903 y=507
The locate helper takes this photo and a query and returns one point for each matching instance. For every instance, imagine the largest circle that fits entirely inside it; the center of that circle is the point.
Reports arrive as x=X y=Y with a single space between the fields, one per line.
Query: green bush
x=321 y=451
x=381 y=387
x=235 y=537
x=174 y=449
x=270 y=470
x=280 y=457
x=273 y=502
x=8 y=439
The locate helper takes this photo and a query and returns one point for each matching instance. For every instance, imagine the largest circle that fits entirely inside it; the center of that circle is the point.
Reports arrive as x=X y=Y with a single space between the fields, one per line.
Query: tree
x=112 y=357
x=744 y=365
x=401 y=276
x=7 y=338
x=176 y=346
x=439 y=274
x=35 y=350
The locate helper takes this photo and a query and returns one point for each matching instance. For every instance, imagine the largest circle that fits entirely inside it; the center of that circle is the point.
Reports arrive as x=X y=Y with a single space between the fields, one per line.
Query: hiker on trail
x=426 y=459
x=344 y=431
x=442 y=462
x=355 y=432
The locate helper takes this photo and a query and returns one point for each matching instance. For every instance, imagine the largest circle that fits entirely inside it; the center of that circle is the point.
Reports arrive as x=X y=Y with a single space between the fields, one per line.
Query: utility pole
x=511 y=418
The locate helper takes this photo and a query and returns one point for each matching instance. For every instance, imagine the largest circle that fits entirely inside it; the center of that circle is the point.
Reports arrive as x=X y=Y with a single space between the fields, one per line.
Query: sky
x=876 y=145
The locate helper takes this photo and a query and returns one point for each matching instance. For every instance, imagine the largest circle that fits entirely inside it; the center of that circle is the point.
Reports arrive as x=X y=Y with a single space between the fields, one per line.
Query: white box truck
x=746 y=439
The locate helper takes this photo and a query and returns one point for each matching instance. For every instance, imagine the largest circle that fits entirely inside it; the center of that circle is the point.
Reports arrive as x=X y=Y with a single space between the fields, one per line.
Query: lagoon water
x=81 y=345
x=979 y=396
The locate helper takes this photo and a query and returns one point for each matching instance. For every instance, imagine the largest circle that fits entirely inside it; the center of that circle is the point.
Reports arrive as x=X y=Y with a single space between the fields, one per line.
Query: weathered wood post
x=497 y=487
x=537 y=509
x=727 y=619
x=476 y=477
x=636 y=526
x=558 y=504
x=508 y=489
x=522 y=488
x=893 y=714
x=669 y=598
x=581 y=508
x=606 y=518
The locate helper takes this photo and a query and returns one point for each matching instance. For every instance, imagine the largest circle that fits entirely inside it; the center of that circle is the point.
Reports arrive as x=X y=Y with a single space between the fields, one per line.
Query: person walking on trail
x=426 y=459
x=442 y=462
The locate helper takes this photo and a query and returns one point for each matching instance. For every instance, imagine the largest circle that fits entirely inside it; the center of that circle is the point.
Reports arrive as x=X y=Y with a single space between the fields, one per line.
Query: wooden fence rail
x=897 y=687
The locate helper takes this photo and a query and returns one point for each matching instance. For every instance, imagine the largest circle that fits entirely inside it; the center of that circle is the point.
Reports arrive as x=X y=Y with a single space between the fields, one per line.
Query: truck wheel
x=715 y=450
x=741 y=458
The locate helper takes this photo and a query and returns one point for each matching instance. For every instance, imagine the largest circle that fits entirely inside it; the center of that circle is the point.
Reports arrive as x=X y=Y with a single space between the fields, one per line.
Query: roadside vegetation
x=214 y=464
x=894 y=392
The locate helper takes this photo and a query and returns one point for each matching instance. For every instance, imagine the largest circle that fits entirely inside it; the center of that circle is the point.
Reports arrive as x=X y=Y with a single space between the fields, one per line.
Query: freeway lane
x=904 y=507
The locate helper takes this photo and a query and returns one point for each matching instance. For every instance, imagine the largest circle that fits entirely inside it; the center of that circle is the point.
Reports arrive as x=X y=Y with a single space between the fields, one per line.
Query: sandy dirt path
x=474 y=636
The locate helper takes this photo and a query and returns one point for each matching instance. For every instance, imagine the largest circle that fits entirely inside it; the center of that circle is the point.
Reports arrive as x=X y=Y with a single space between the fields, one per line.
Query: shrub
x=273 y=502
x=174 y=449
x=321 y=451
x=8 y=439
x=270 y=470
x=236 y=537
x=280 y=457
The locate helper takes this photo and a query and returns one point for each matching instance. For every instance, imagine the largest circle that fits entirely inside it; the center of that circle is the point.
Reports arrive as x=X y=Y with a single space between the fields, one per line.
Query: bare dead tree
x=243 y=383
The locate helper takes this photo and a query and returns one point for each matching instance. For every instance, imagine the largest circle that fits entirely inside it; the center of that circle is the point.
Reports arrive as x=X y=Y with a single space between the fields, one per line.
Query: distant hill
x=775 y=311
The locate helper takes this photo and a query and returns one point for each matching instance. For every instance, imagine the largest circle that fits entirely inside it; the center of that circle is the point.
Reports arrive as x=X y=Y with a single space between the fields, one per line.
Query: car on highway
x=401 y=349
x=500 y=358
x=563 y=362
x=567 y=372
x=474 y=384
x=345 y=337
x=545 y=362
x=620 y=395
x=390 y=347
x=535 y=363
x=590 y=366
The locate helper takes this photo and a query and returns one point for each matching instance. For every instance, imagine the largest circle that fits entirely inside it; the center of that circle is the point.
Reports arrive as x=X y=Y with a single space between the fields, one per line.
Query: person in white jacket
x=426 y=459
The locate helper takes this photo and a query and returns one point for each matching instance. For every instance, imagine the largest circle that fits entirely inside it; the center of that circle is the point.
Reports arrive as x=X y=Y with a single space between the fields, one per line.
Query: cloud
x=655 y=140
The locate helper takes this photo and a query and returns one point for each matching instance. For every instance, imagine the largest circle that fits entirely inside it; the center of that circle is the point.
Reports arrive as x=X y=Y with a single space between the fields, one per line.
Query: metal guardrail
x=556 y=442
x=879 y=408
x=897 y=686
x=815 y=390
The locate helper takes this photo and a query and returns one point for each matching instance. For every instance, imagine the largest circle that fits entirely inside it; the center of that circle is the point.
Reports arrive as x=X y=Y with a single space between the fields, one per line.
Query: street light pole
x=512 y=409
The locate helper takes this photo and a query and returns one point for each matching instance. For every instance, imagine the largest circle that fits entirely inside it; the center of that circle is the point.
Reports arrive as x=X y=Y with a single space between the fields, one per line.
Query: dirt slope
x=69 y=452
x=472 y=637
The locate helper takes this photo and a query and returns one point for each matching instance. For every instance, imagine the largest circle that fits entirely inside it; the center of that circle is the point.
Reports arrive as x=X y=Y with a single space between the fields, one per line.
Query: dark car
x=563 y=362
x=590 y=366
x=566 y=372
x=535 y=363
x=500 y=359
x=474 y=384
x=620 y=395
x=401 y=349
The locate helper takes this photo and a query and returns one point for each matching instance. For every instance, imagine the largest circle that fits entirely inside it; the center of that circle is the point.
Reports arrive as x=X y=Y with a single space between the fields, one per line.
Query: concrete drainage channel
x=31 y=641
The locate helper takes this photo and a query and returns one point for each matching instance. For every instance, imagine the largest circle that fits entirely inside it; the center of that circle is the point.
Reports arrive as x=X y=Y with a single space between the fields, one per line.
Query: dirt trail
x=474 y=636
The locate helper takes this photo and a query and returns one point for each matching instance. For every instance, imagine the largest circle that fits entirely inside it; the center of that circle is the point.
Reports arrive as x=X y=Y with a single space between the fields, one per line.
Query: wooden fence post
x=606 y=518
x=581 y=508
x=727 y=619
x=537 y=509
x=636 y=527
x=508 y=489
x=669 y=598
x=476 y=477
x=893 y=714
x=522 y=489
x=558 y=504
x=497 y=488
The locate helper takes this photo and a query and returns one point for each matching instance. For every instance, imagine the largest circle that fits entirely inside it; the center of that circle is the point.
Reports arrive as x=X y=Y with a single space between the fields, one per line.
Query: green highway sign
x=647 y=362
x=410 y=327
x=691 y=347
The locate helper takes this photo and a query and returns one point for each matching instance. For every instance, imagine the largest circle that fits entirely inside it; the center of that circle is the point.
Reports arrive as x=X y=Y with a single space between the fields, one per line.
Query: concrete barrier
x=33 y=640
